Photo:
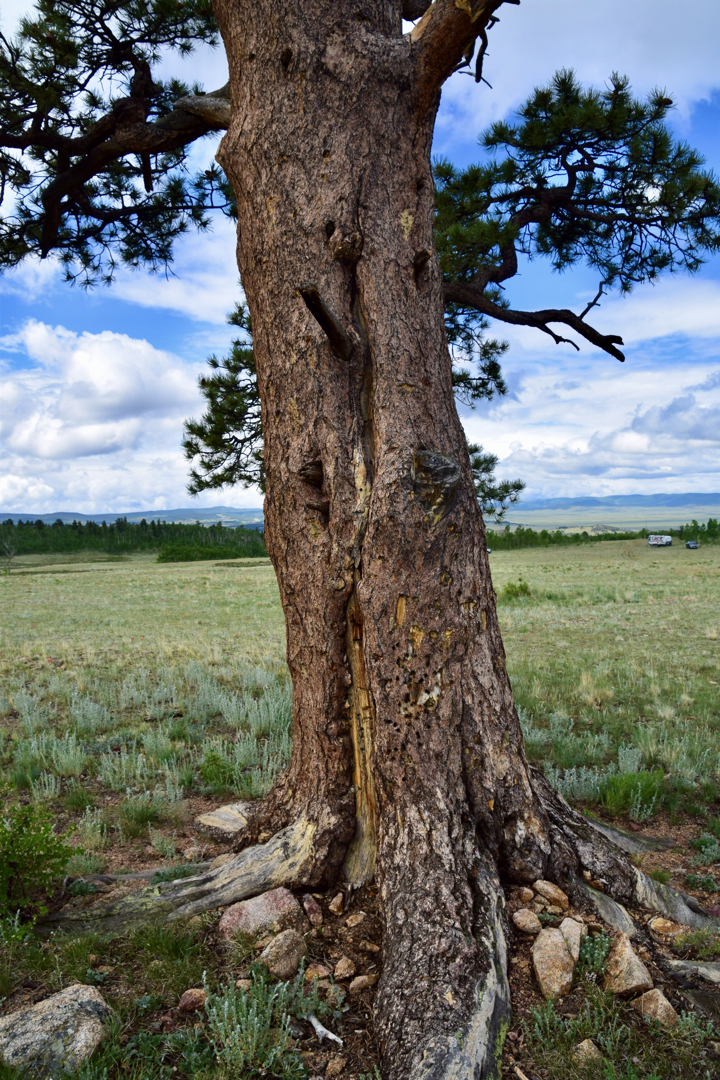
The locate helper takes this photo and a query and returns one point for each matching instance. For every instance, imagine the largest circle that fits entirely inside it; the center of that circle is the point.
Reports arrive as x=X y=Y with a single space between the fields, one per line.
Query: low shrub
x=181 y=553
x=514 y=590
x=32 y=857
x=633 y=793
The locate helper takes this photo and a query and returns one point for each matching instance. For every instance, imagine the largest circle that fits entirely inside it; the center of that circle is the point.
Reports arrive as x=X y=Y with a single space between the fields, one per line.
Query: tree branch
x=443 y=39
x=471 y=296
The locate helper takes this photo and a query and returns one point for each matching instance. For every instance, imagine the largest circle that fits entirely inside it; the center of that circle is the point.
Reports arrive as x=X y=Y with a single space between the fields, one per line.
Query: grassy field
x=133 y=694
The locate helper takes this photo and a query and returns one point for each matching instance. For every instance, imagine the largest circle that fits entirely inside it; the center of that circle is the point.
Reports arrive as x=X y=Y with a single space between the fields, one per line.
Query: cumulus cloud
x=644 y=40
x=610 y=429
x=93 y=422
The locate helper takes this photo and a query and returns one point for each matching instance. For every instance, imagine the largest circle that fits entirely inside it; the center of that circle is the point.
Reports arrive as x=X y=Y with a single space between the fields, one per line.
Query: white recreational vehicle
x=658 y=540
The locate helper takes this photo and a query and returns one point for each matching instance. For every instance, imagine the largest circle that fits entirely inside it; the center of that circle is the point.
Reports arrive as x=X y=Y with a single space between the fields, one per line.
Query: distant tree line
x=521 y=537
x=122 y=537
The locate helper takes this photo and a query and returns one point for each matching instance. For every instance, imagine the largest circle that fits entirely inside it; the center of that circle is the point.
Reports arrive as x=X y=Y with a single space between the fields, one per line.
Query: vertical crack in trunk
x=359 y=866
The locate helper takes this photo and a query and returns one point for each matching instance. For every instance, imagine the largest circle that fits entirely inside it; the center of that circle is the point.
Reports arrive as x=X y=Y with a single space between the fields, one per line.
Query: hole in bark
x=285 y=57
x=329 y=228
x=312 y=473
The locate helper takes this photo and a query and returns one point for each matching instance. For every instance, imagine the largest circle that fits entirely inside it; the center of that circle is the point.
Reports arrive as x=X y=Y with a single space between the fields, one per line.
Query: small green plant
x=702 y=944
x=701 y=881
x=84 y=862
x=594 y=951
x=251 y=1031
x=173 y=873
x=632 y=793
x=92 y=830
x=659 y=875
x=32 y=857
x=514 y=590
x=77 y=800
x=166 y=846
x=82 y=888
x=708 y=850
x=138 y=812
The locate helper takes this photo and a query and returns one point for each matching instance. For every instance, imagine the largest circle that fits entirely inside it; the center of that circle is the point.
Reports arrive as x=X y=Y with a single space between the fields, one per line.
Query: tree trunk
x=407 y=760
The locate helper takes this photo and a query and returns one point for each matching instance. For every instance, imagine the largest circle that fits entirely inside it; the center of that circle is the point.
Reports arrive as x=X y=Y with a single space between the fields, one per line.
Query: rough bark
x=407 y=753
x=408 y=762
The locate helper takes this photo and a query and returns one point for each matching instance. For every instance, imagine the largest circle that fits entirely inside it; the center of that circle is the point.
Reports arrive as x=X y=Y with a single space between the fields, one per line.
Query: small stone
x=221 y=860
x=312 y=910
x=284 y=953
x=93 y=959
x=336 y=904
x=625 y=974
x=664 y=926
x=344 y=969
x=552 y=894
x=55 y=1036
x=369 y=946
x=355 y=920
x=586 y=1052
x=527 y=921
x=552 y=963
x=361 y=982
x=553 y=909
x=655 y=1006
x=243 y=985
x=274 y=910
x=539 y=906
x=572 y=931
x=316 y=971
x=336 y=1066
x=525 y=894
x=192 y=1000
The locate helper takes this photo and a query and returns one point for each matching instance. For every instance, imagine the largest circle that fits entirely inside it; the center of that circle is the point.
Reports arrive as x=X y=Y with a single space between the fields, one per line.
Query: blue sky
x=94 y=386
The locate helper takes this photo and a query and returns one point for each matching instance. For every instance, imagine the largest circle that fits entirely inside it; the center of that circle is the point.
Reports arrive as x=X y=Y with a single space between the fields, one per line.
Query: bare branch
x=471 y=296
x=443 y=39
x=340 y=342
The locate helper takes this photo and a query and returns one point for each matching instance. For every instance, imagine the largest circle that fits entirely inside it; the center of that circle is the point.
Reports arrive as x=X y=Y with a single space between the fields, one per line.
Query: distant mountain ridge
x=206 y=515
x=253 y=517
x=652 y=501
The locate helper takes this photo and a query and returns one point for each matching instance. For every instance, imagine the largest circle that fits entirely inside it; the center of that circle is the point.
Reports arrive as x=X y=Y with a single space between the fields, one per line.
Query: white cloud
x=93 y=423
x=645 y=40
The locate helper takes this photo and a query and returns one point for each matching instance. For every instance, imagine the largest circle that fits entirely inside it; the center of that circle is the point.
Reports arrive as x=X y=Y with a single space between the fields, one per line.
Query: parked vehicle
x=692 y=544
x=659 y=540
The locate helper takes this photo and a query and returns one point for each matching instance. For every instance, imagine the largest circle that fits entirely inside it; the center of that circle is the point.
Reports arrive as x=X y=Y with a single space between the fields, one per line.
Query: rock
x=655 y=1006
x=243 y=985
x=221 y=860
x=225 y=822
x=705 y=969
x=336 y=1066
x=625 y=973
x=344 y=969
x=572 y=931
x=317 y=971
x=56 y=1035
x=586 y=1052
x=664 y=926
x=192 y=1000
x=527 y=921
x=553 y=964
x=614 y=914
x=336 y=904
x=361 y=982
x=312 y=910
x=274 y=910
x=356 y=919
x=283 y=955
x=552 y=894
x=369 y=946
x=553 y=909
x=525 y=895
x=539 y=906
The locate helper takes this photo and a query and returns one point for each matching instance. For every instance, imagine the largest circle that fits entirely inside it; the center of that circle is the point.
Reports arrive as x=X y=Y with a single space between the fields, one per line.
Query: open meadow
x=135 y=695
